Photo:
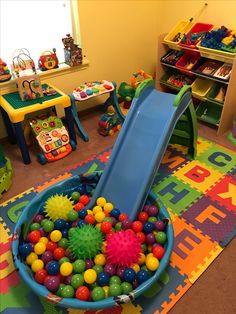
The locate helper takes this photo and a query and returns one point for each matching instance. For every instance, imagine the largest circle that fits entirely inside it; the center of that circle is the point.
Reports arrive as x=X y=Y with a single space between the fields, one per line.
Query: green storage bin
x=164 y=79
x=209 y=112
x=215 y=91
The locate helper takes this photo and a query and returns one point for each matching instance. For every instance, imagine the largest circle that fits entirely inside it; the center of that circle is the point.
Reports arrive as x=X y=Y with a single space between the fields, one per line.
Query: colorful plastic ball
x=108 y=207
x=64 y=259
x=58 y=207
x=52 y=283
x=83 y=213
x=159 y=225
x=42 y=232
x=53 y=268
x=141 y=237
x=40 y=275
x=150 y=238
x=115 y=290
x=126 y=224
x=106 y=291
x=78 y=207
x=59 y=291
x=38 y=218
x=51 y=246
x=115 y=213
x=114 y=279
x=82 y=293
x=35 y=226
x=98 y=268
x=152 y=263
x=143 y=216
x=148 y=227
x=81 y=223
x=142 y=259
x=90 y=276
x=47 y=225
x=135 y=267
x=137 y=226
x=153 y=210
x=58 y=253
x=37 y=265
x=129 y=274
x=75 y=196
x=89 y=219
x=98 y=294
x=77 y=280
x=84 y=199
x=122 y=217
x=68 y=292
x=55 y=236
x=67 y=279
x=110 y=269
x=118 y=226
x=63 y=243
x=88 y=263
x=106 y=227
x=158 y=251
x=59 y=224
x=97 y=209
x=99 y=217
x=79 y=266
x=103 y=278
x=25 y=249
x=44 y=240
x=161 y=237
x=66 y=269
x=126 y=287
x=64 y=233
x=145 y=208
x=34 y=236
x=101 y=201
x=31 y=258
x=142 y=276
x=152 y=219
x=39 y=248
x=100 y=259
x=120 y=271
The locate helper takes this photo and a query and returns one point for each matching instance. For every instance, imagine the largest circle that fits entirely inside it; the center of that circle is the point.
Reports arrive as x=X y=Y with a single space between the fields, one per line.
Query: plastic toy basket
x=67 y=186
x=214 y=91
x=209 y=112
x=201 y=87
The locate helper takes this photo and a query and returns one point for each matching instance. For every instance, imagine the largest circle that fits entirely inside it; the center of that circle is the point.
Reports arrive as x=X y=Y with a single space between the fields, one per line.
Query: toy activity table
x=93 y=89
x=13 y=111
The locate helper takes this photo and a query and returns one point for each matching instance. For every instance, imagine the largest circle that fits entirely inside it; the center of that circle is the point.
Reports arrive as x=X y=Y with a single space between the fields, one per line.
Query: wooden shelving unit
x=228 y=108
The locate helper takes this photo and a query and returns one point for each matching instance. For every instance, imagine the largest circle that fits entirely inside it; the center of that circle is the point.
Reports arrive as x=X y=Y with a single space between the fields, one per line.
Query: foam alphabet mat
x=200 y=196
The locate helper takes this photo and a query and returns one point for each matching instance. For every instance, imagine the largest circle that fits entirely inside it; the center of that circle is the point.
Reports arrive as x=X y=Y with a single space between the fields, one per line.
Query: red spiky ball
x=123 y=248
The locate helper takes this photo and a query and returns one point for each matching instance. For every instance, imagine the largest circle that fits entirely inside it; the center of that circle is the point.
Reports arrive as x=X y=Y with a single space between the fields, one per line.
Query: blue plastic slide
x=140 y=146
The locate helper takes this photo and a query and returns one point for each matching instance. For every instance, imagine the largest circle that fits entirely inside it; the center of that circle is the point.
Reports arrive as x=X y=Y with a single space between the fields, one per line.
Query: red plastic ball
x=58 y=253
x=84 y=199
x=143 y=216
x=122 y=217
x=51 y=246
x=137 y=226
x=40 y=275
x=141 y=237
x=158 y=251
x=82 y=293
x=78 y=206
x=34 y=236
x=89 y=219
x=106 y=227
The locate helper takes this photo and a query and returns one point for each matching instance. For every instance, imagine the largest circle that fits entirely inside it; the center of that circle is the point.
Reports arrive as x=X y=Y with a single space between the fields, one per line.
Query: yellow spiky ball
x=58 y=206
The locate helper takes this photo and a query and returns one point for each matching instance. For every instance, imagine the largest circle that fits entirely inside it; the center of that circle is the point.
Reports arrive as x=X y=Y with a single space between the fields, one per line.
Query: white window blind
x=37 y=25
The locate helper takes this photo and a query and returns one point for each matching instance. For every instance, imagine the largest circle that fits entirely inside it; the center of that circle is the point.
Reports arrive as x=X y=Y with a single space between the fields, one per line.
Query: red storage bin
x=197 y=28
x=187 y=61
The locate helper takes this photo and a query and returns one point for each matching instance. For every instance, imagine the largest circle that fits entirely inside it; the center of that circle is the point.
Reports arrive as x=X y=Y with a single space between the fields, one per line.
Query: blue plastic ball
x=148 y=227
x=25 y=249
x=115 y=213
x=81 y=223
x=67 y=225
x=64 y=233
x=142 y=276
x=41 y=211
x=83 y=213
x=129 y=275
x=103 y=278
x=53 y=268
x=59 y=224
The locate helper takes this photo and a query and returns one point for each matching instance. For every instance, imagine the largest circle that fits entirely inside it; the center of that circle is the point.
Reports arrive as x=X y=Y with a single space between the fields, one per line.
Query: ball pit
x=45 y=259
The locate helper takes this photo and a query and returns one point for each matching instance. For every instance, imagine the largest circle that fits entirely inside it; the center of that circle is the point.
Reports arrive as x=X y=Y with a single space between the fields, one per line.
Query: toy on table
x=5 y=74
x=52 y=138
x=73 y=54
x=108 y=124
x=48 y=60
x=5 y=172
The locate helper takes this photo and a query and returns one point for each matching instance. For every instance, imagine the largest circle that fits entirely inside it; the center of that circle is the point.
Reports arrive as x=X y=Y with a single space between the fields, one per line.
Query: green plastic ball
x=71 y=231
x=98 y=268
x=126 y=287
x=160 y=237
x=64 y=259
x=63 y=243
x=115 y=280
x=73 y=215
x=60 y=289
x=98 y=294
x=79 y=266
x=152 y=219
x=118 y=226
x=48 y=225
x=115 y=290
x=67 y=292
x=77 y=280
x=75 y=196
x=108 y=219
x=35 y=226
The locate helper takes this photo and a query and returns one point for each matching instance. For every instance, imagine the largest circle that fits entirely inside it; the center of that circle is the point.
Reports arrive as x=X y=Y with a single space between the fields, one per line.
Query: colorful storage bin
x=217 y=93
x=172 y=57
x=201 y=87
x=209 y=112
x=187 y=61
x=174 y=79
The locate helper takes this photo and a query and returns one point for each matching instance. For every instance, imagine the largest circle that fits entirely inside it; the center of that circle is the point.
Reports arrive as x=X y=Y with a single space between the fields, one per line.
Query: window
x=36 y=25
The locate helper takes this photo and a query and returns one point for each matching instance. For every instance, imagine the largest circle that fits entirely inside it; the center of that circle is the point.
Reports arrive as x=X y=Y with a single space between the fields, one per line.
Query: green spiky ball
x=58 y=206
x=86 y=241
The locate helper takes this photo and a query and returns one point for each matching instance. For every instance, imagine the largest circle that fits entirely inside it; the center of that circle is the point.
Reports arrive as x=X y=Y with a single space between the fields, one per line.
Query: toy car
x=108 y=124
x=52 y=138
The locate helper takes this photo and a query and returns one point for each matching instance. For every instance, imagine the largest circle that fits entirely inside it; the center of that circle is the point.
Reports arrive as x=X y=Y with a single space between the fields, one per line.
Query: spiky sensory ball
x=58 y=206
x=85 y=242
x=123 y=248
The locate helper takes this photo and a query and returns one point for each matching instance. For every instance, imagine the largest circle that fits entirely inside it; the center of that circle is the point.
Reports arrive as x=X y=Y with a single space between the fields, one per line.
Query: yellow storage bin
x=180 y=28
x=201 y=87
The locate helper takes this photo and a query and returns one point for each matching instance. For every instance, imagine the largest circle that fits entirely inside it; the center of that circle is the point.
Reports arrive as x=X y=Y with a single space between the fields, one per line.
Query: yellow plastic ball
x=44 y=240
x=39 y=248
x=108 y=207
x=103 y=249
x=149 y=255
x=31 y=258
x=55 y=235
x=90 y=212
x=100 y=259
x=152 y=263
x=106 y=290
x=99 y=216
x=37 y=265
x=135 y=267
x=98 y=225
x=142 y=259
x=90 y=276
x=101 y=201
x=97 y=209
x=66 y=269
